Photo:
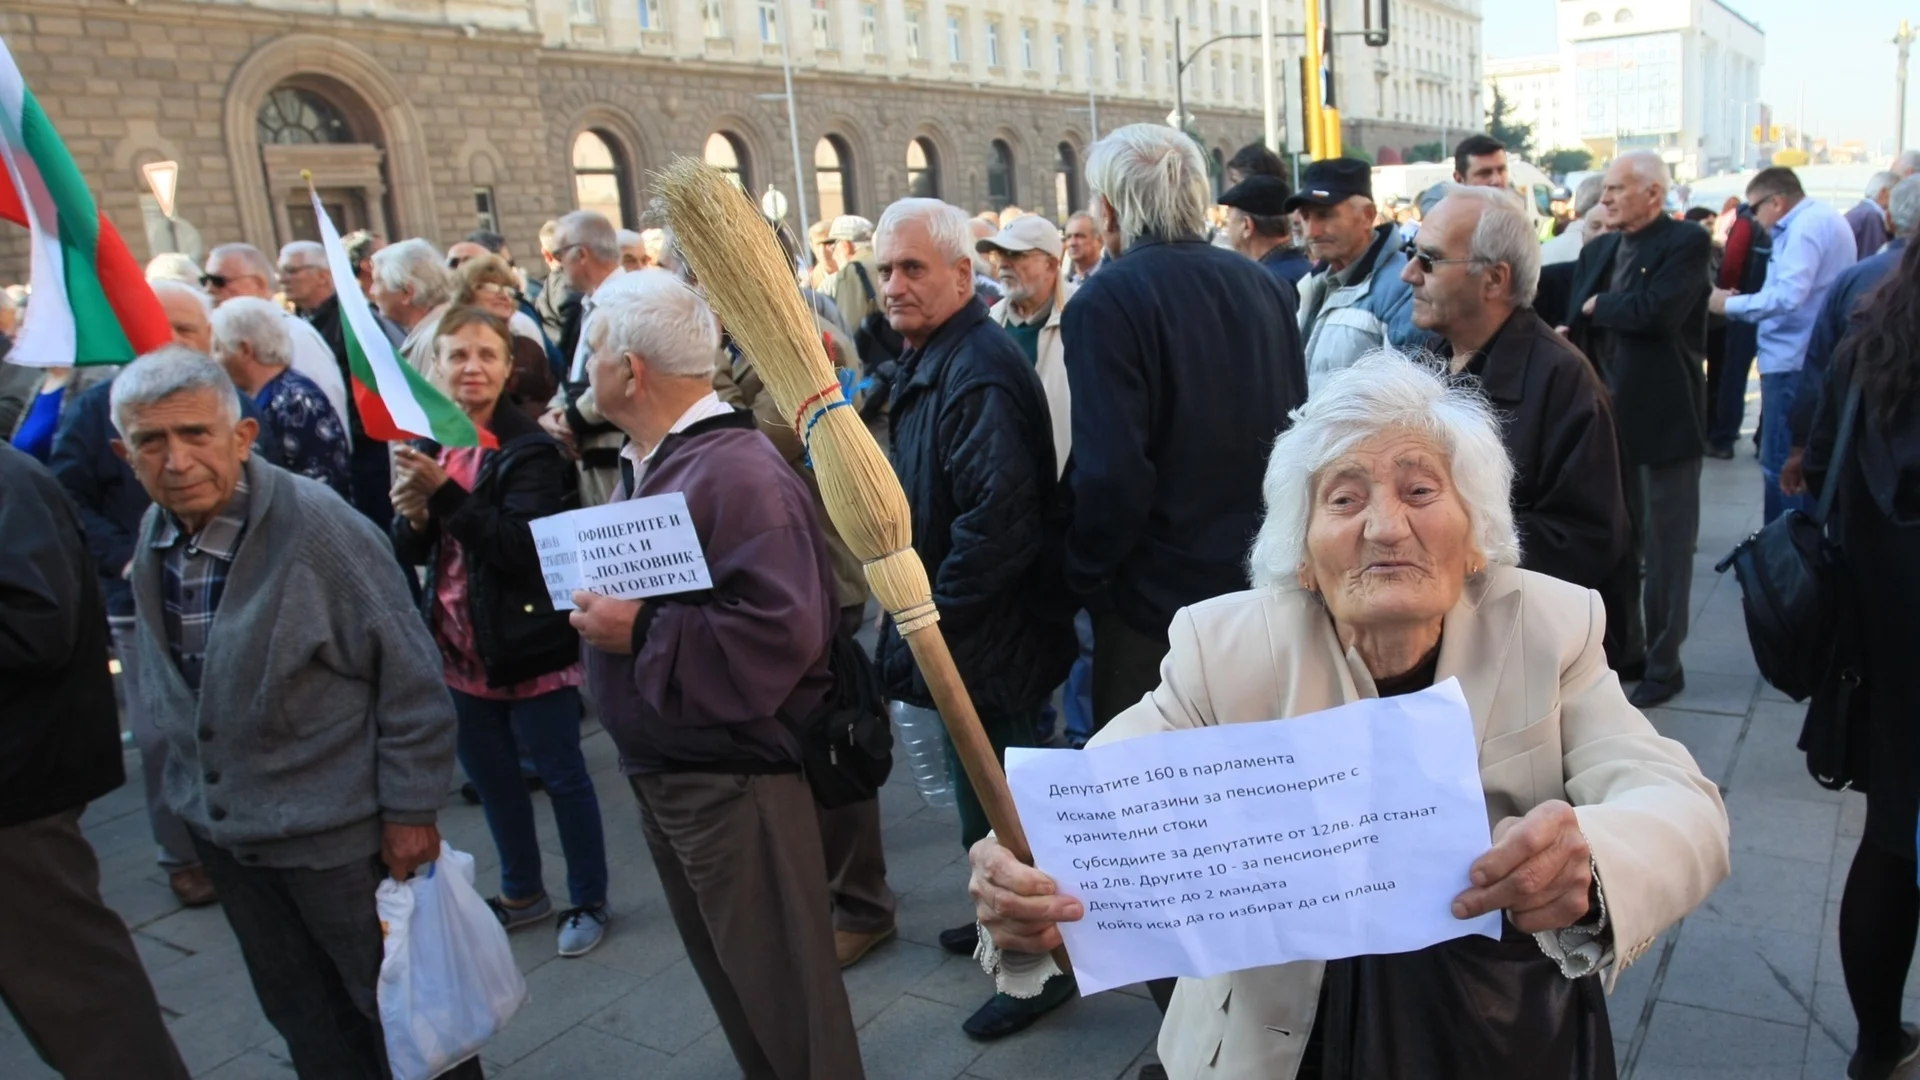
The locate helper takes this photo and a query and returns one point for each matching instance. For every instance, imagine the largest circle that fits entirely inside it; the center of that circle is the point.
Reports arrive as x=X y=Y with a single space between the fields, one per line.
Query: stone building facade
x=435 y=117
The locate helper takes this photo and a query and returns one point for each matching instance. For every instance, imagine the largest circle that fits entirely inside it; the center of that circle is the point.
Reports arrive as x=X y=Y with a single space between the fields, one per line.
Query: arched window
x=833 y=177
x=923 y=170
x=1066 y=179
x=727 y=153
x=600 y=178
x=1592 y=19
x=293 y=116
x=999 y=174
x=1624 y=15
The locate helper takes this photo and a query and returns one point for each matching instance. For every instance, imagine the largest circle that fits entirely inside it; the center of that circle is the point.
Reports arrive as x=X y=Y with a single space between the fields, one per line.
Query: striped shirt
x=193 y=577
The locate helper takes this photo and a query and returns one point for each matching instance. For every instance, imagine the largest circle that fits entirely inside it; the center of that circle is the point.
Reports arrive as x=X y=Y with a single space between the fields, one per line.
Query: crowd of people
x=1177 y=461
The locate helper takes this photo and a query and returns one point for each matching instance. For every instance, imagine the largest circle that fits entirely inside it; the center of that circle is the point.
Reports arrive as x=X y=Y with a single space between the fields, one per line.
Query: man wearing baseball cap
x=1260 y=227
x=1025 y=256
x=1355 y=302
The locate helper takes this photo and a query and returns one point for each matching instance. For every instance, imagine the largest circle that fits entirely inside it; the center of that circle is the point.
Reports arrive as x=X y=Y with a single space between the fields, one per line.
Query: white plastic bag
x=448 y=981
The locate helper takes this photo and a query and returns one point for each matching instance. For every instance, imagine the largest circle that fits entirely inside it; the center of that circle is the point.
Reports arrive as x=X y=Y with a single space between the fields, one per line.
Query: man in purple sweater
x=698 y=689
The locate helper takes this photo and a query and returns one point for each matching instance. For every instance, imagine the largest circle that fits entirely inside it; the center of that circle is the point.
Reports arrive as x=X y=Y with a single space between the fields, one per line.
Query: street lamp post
x=1903 y=39
x=1268 y=129
x=793 y=134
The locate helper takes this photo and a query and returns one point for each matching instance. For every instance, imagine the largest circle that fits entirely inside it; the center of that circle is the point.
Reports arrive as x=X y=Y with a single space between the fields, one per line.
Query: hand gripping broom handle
x=750 y=286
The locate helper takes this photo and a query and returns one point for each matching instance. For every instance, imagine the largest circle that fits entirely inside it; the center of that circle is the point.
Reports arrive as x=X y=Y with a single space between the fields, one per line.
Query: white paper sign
x=1342 y=833
x=626 y=550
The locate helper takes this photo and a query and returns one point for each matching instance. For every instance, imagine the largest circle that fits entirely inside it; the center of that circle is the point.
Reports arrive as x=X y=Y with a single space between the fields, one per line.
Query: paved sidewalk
x=1749 y=987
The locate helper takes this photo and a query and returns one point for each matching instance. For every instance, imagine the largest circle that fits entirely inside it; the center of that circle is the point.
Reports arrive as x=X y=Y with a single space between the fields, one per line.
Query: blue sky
x=1842 y=52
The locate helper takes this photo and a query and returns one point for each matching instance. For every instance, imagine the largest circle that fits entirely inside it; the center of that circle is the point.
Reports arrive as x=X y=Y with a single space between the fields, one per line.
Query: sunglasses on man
x=1425 y=258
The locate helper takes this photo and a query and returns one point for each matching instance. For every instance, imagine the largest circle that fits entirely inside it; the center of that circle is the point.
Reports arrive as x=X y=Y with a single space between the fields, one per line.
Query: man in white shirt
x=244 y=270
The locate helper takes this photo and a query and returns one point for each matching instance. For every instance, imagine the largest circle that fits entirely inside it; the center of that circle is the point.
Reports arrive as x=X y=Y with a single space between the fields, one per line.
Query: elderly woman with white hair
x=250 y=340
x=1387 y=563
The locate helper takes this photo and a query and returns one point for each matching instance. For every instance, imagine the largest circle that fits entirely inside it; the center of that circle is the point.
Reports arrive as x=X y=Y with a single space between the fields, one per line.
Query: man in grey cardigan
x=310 y=736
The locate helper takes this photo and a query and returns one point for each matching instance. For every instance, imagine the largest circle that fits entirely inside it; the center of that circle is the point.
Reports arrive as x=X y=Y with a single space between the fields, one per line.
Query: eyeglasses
x=289 y=271
x=1426 y=260
x=214 y=281
x=560 y=256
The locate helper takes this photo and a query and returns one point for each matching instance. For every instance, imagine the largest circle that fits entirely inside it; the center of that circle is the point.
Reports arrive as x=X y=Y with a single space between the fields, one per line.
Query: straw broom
x=747 y=281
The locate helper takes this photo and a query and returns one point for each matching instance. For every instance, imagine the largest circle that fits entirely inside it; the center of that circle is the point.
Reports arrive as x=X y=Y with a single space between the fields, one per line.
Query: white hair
x=1587 y=195
x=1648 y=167
x=1383 y=391
x=1903 y=206
x=173 y=266
x=165 y=287
x=1154 y=178
x=164 y=372
x=260 y=323
x=304 y=253
x=1503 y=235
x=414 y=264
x=628 y=238
x=947 y=224
x=1880 y=182
x=253 y=258
x=655 y=316
x=591 y=230
x=1907 y=163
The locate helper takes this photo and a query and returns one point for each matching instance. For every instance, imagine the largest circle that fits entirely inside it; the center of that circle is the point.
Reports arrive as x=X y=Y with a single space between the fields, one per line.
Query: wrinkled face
x=634 y=257
x=1630 y=201
x=473 y=366
x=228 y=276
x=1388 y=540
x=307 y=286
x=571 y=257
x=919 y=286
x=395 y=304
x=1339 y=234
x=1487 y=170
x=1239 y=229
x=1083 y=246
x=187 y=453
x=497 y=298
x=1029 y=277
x=191 y=327
x=1453 y=291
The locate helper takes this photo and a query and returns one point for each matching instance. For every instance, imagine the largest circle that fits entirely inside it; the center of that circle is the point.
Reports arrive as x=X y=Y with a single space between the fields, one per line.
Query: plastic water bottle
x=919 y=731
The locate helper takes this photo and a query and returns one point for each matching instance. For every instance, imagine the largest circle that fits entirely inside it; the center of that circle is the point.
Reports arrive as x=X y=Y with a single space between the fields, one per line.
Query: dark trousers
x=1879 y=912
x=1727 y=405
x=493 y=738
x=68 y=972
x=312 y=943
x=372 y=481
x=1003 y=730
x=1126 y=666
x=739 y=858
x=863 y=902
x=1664 y=503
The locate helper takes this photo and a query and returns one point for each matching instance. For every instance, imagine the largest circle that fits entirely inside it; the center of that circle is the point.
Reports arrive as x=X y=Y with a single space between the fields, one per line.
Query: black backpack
x=846 y=746
x=879 y=346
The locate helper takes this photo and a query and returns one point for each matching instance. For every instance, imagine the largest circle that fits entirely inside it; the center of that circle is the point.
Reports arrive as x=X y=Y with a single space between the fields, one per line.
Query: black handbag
x=1790 y=584
x=846 y=746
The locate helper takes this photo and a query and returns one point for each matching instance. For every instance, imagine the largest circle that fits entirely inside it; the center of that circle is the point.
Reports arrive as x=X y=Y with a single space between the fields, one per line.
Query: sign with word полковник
x=626 y=550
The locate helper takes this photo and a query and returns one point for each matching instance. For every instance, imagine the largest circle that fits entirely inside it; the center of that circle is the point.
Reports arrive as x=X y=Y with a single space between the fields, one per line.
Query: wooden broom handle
x=970 y=743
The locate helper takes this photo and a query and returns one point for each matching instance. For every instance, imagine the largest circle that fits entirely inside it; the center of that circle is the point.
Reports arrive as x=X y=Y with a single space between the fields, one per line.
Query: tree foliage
x=1427 y=151
x=1517 y=137
x=1565 y=160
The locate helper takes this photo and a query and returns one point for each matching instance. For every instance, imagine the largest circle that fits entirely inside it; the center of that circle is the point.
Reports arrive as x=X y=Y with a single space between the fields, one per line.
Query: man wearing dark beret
x=1260 y=227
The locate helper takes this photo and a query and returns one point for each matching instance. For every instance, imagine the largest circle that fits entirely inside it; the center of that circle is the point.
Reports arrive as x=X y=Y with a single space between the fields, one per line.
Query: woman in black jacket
x=512 y=662
x=1876 y=513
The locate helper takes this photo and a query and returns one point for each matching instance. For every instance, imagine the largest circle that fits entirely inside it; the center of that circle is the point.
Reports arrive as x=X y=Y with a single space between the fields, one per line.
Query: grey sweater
x=322 y=712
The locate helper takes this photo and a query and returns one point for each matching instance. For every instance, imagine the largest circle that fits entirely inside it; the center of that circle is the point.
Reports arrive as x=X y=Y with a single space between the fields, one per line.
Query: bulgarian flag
x=395 y=401
x=91 y=303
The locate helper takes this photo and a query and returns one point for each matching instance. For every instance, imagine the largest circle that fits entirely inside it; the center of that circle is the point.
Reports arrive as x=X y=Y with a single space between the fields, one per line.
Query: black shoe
x=1633 y=671
x=961 y=940
x=1862 y=1069
x=1650 y=693
x=1151 y=1072
x=470 y=793
x=1003 y=1014
x=1722 y=453
x=534 y=783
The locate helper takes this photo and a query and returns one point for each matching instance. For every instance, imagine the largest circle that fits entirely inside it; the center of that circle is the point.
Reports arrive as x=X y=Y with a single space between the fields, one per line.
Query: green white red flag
x=91 y=303
x=395 y=401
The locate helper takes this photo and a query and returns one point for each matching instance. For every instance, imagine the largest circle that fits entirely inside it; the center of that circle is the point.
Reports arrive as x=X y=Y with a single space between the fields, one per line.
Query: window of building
x=483 y=216
x=923 y=170
x=869 y=28
x=294 y=116
x=1213 y=16
x=716 y=18
x=1623 y=16
x=1091 y=73
x=1026 y=48
x=1172 y=72
x=913 y=33
x=1066 y=179
x=956 y=46
x=650 y=15
x=585 y=11
x=822 y=25
x=1213 y=71
x=1060 y=53
x=770 y=21
x=833 y=177
x=1146 y=63
x=727 y=153
x=1592 y=19
x=1193 y=13
x=1239 y=88
x=1146 y=9
x=999 y=174
x=1119 y=61
x=600 y=177
x=993 y=44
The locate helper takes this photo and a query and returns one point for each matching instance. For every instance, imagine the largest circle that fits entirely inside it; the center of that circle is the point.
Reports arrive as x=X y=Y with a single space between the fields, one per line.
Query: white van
x=1534 y=187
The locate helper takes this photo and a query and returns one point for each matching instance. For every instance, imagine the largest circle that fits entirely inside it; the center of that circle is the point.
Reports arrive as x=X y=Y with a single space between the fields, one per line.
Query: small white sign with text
x=626 y=550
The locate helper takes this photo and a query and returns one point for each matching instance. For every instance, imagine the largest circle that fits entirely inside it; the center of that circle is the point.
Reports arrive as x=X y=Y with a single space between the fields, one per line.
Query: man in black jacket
x=1184 y=361
x=974 y=451
x=68 y=972
x=1473 y=273
x=308 y=284
x=1639 y=309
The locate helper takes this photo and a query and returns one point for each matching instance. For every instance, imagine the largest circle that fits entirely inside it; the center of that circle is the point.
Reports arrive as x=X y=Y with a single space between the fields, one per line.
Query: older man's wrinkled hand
x=1539 y=871
x=605 y=623
x=1020 y=906
x=405 y=848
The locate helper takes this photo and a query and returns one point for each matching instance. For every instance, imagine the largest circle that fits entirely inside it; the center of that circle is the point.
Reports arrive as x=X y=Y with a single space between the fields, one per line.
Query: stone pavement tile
x=1832 y=1022
x=201 y=980
x=642 y=943
x=708 y=1059
x=667 y=1012
x=1087 y=1037
x=218 y=1032
x=1853 y=815
x=1688 y=1043
x=194 y=929
x=1766 y=892
x=1709 y=737
x=958 y=982
x=255 y=1064
x=917 y=1039
x=899 y=798
x=564 y=993
x=1628 y=1002
x=886 y=973
x=156 y=954
x=940 y=903
x=18 y=1061
x=582 y=1053
x=1770 y=761
x=919 y=847
x=1708 y=692
x=1790 y=828
x=1147 y=1057
x=1728 y=968
x=1726 y=653
x=121 y=832
x=139 y=900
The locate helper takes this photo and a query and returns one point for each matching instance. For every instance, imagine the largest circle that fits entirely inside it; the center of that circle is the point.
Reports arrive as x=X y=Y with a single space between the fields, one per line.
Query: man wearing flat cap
x=856 y=287
x=1260 y=227
x=1025 y=255
x=1355 y=302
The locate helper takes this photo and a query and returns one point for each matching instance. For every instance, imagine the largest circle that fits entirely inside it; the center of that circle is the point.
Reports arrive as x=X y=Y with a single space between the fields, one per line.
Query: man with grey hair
x=411 y=287
x=1473 y=270
x=250 y=341
x=310 y=737
x=1355 y=302
x=1906 y=164
x=587 y=253
x=1566 y=246
x=1083 y=247
x=244 y=270
x=633 y=251
x=1638 y=309
x=1868 y=218
x=698 y=689
x=855 y=287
